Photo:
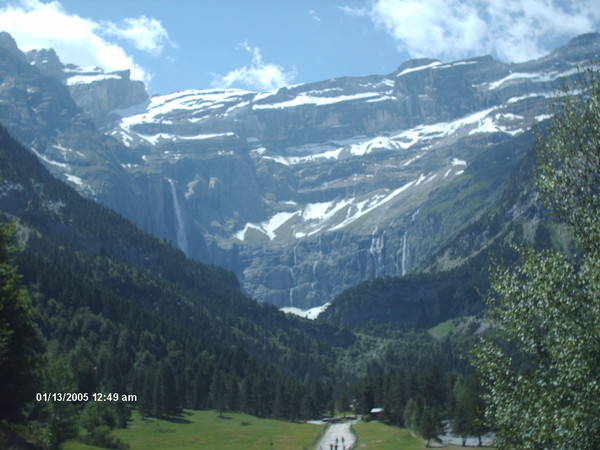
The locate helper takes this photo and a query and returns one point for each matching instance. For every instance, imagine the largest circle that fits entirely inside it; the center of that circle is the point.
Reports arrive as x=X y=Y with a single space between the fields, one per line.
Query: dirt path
x=338 y=436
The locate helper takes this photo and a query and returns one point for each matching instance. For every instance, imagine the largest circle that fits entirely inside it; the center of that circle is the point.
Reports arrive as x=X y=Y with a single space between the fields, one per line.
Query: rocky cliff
x=308 y=189
x=98 y=92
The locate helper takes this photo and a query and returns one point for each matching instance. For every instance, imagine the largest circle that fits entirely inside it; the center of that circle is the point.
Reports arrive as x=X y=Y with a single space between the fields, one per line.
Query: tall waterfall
x=292 y=287
x=294 y=252
x=376 y=250
x=181 y=237
x=404 y=252
x=293 y=276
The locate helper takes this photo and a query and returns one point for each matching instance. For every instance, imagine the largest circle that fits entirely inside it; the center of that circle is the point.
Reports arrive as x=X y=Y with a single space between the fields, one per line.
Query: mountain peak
x=579 y=49
x=585 y=39
x=95 y=90
x=8 y=43
x=47 y=61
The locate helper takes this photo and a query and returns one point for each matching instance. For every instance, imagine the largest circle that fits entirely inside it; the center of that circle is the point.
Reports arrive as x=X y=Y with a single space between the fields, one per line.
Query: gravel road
x=338 y=436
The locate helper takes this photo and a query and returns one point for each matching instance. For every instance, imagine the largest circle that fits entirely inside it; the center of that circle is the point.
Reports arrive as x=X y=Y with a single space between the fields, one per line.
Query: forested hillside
x=121 y=312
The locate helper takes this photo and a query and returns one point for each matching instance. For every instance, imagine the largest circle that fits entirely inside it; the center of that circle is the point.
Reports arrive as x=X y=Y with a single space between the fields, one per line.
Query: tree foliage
x=19 y=357
x=547 y=307
x=569 y=158
x=468 y=417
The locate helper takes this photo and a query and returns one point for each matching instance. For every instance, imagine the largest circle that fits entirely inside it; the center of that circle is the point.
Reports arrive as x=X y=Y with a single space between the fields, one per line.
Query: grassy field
x=378 y=436
x=443 y=329
x=236 y=431
x=206 y=430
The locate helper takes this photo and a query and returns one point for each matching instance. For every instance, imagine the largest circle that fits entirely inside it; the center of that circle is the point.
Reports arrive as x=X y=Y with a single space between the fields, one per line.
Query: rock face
x=308 y=189
x=40 y=112
x=97 y=92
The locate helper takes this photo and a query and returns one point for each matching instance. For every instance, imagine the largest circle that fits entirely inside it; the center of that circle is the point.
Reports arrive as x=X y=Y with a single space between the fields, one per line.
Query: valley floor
x=237 y=431
x=211 y=430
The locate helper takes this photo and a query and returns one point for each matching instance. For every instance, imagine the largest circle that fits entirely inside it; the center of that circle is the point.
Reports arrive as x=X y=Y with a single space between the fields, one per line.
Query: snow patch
x=86 y=79
x=368 y=206
x=458 y=63
x=268 y=227
x=311 y=313
x=199 y=137
x=49 y=161
x=542 y=117
x=528 y=96
x=358 y=146
x=74 y=179
x=323 y=216
x=197 y=101
x=536 y=77
x=414 y=69
x=306 y=99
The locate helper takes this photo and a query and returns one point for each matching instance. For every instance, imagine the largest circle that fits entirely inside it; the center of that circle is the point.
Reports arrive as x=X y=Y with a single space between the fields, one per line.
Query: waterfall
x=181 y=237
x=292 y=275
x=314 y=274
x=404 y=253
x=294 y=251
x=316 y=263
x=292 y=287
x=376 y=251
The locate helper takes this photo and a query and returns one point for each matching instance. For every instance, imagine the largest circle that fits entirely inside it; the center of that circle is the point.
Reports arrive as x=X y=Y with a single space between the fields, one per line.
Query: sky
x=260 y=45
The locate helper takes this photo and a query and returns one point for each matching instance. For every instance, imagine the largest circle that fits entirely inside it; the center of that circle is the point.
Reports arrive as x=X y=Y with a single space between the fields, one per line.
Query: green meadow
x=378 y=436
x=209 y=430
x=237 y=431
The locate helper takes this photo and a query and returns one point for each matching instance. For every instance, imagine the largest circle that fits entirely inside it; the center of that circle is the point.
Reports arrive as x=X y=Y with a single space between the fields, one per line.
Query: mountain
x=107 y=295
x=121 y=311
x=94 y=90
x=302 y=191
x=455 y=279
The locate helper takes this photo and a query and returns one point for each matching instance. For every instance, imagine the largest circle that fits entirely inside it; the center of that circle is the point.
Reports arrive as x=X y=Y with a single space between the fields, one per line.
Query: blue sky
x=263 y=44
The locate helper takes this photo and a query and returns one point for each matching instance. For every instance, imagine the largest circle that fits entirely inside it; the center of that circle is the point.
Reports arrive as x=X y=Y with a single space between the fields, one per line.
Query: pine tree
x=428 y=425
x=281 y=403
x=412 y=413
x=61 y=416
x=146 y=395
x=20 y=360
x=367 y=401
x=168 y=400
x=232 y=394
x=217 y=393
x=461 y=422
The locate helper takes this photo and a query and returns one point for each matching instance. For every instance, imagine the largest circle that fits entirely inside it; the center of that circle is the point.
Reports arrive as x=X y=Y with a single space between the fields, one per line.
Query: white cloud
x=258 y=75
x=314 y=15
x=146 y=34
x=35 y=24
x=357 y=12
x=512 y=30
